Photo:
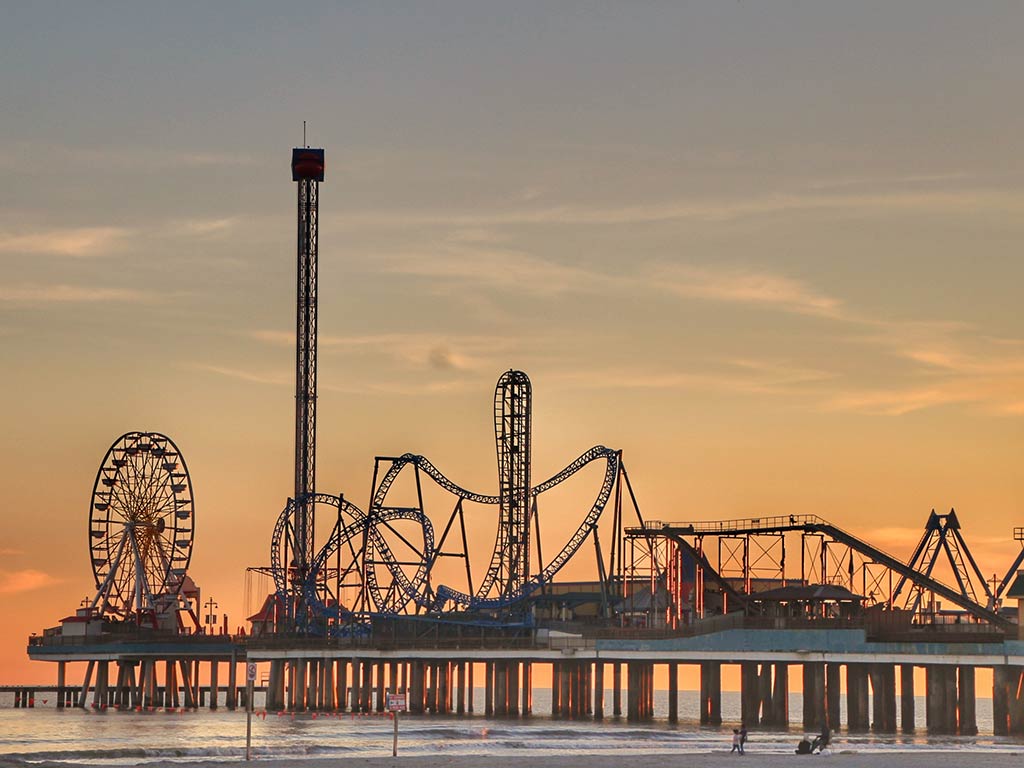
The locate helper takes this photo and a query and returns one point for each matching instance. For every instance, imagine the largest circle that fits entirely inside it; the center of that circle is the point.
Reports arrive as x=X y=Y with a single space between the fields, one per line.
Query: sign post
x=396 y=704
x=250 y=679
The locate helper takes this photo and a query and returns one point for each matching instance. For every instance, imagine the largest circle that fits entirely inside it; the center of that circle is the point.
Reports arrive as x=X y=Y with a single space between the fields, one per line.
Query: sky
x=771 y=251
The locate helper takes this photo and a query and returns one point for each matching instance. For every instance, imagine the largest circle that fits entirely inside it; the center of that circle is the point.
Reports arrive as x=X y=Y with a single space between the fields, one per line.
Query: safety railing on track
x=745 y=524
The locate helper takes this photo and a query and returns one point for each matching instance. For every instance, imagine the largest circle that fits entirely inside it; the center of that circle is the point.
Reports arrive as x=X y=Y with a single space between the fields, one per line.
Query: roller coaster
x=753 y=551
x=388 y=560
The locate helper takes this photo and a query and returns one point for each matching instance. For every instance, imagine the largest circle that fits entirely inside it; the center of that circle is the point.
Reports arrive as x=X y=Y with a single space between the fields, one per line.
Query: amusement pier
x=383 y=606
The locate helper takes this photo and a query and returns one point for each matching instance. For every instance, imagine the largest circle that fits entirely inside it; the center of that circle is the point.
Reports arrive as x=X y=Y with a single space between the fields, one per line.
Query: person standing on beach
x=736 y=742
x=743 y=738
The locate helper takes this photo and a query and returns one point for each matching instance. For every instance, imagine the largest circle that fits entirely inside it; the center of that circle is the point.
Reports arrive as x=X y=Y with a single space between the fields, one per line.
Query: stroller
x=806 y=747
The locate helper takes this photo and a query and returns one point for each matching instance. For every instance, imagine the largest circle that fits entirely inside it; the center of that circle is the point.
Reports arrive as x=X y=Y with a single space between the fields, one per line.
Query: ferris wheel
x=141 y=526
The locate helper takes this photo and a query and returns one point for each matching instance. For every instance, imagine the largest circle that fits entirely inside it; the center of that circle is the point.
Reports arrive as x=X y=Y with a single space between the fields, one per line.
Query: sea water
x=110 y=737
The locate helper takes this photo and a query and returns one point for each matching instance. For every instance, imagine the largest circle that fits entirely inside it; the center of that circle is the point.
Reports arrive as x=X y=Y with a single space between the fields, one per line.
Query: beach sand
x=926 y=758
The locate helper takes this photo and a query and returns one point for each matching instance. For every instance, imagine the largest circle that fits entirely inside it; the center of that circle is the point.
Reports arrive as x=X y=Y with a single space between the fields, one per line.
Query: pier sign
x=396 y=702
x=250 y=672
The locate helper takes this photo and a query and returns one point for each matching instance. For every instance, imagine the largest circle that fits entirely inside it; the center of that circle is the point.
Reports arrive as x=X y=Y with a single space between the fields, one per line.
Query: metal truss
x=750 y=549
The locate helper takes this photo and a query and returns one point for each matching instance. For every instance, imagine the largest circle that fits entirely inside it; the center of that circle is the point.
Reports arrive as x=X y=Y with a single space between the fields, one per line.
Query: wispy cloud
x=71 y=241
x=744 y=376
x=8 y=551
x=889 y=181
x=451 y=353
x=272 y=378
x=123 y=159
x=950 y=363
x=725 y=209
x=71 y=294
x=746 y=287
x=898 y=401
x=459 y=263
x=203 y=227
x=14 y=582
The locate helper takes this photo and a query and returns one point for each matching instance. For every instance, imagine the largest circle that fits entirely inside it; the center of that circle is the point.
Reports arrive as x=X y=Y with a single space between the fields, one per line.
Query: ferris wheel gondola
x=141 y=526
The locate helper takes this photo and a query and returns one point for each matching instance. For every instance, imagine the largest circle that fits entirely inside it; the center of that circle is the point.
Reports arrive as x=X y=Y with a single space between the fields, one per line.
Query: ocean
x=130 y=738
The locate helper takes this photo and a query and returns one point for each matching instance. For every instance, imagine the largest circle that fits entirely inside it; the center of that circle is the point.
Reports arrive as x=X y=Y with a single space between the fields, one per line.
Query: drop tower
x=307 y=172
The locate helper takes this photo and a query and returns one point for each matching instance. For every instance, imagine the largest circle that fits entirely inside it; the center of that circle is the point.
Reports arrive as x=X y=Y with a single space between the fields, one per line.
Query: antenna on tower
x=304 y=142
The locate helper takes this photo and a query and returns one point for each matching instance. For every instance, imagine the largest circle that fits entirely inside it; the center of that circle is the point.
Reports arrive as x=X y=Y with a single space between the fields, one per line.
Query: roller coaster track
x=446 y=594
x=373 y=545
x=815 y=524
x=402 y=588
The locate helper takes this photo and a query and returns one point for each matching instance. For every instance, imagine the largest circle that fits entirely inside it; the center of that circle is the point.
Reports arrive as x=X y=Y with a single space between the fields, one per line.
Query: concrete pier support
x=640 y=691
x=366 y=690
x=488 y=689
x=632 y=692
x=84 y=692
x=275 y=686
x=556 y=690
x=710 y=693
x=147 y=684
x=290 y=686
x=416 y=699
x=300 y=685
x=565 y=689
x=1000 y=701
x=313 y=690
x=780 y=696
x=940 y=698
x=599 y=691
x=380 y=685
x=750 y=696
x=570 y=690
x=883 y=697
x=833 y=695
x=1015 y=700
x=967 y=715
x=857 y=718
x=616 y=690
x=673 y=693
x=61 y=680
x=99 y=694
x=341 y=685
x=512 y=692
x=231 y=696
x=1008 y=700
x=907 y=698
x=213 y=684
x=355 y=690
x=527 y=701
x=121 y=694
x=814 y=695
x=500 y=688
x=460 y=688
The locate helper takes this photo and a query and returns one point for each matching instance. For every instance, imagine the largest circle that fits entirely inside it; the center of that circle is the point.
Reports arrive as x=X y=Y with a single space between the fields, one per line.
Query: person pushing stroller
x=820 y=741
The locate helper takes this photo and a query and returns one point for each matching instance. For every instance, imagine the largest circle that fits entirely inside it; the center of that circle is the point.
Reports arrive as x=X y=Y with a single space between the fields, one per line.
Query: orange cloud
x=13 y=582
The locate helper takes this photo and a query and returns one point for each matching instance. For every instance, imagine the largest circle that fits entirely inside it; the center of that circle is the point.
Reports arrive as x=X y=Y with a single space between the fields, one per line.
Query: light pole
x=211 y=617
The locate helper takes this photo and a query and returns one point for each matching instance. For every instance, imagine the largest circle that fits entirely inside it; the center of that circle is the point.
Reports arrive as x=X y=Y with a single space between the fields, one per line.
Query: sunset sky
x=772 y=251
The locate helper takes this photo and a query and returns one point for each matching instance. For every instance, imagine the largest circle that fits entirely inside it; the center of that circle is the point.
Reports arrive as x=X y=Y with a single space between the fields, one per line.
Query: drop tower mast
x=308 y=172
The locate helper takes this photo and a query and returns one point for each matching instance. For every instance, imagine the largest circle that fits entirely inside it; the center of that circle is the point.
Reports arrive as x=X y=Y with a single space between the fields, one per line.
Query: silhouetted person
x=822 y=739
